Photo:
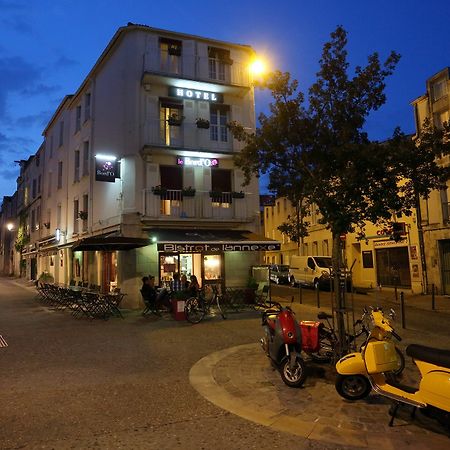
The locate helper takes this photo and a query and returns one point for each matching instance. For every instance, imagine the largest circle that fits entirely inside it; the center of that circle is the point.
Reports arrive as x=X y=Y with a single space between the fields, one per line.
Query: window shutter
x=444 y=204
x=188 y=59
x=151 y=58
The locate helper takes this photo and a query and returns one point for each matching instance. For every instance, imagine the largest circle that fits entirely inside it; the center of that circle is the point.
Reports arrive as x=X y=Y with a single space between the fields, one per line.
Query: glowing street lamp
x=10 y=226
x=257 y=67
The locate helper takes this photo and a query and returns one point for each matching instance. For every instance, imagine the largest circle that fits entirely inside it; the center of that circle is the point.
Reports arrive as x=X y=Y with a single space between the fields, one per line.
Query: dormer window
x=170 y=52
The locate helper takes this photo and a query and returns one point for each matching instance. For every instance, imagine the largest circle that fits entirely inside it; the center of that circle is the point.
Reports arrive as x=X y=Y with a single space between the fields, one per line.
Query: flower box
x=202 y=123
x=188 y=192
x=215 y=194
x=174 y=121
x=158 y=190
x=238 y=194
x=83 y=215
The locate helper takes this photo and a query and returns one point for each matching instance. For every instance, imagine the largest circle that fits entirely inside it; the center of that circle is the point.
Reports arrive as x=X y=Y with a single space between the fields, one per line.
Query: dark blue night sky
x=48 y=47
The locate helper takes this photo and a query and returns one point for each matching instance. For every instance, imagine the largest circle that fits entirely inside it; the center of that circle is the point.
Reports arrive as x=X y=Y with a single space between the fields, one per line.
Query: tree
x=322 y=153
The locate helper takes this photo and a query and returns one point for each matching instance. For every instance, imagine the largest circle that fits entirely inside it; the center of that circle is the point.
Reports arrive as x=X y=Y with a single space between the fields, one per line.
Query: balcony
x=204 y=68
x=204 y=205
x=187 y=135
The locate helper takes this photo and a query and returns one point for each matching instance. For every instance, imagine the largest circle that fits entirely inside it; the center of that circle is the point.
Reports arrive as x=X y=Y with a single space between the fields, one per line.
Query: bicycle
x=196 y=308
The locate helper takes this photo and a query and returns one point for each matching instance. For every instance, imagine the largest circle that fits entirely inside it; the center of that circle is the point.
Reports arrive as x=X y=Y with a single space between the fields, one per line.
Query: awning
x=109 y=243
x=197 y=241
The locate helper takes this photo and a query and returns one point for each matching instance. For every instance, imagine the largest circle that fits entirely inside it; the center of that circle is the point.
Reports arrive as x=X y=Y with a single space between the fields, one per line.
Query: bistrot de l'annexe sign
x=218 y=247
x=195 y=94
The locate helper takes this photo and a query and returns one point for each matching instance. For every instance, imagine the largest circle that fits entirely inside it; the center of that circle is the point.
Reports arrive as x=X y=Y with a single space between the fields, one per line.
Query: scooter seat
x=429 y=355
x=323 y=315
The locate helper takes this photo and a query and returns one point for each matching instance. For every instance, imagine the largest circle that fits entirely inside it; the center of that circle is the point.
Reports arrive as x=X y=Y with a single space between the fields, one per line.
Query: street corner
x=242 y=381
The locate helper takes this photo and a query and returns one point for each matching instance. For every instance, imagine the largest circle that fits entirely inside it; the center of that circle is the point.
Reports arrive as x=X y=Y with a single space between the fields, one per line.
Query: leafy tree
x=321 y=152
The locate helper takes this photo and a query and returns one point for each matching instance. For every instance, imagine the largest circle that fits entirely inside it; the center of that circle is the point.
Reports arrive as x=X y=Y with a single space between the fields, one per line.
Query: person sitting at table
x=148 y=292
x=184 y=281
x=194 y=286
x=176 y=285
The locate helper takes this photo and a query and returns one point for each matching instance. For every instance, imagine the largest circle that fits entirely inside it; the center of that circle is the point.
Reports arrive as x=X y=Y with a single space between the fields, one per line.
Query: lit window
x=218 y=124
x=219 y=63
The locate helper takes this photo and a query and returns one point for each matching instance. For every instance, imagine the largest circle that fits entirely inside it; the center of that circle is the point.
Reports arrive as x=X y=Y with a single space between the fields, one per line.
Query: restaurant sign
x=194 y=94
x=219 y=247
x=106 y=168
x=190 y=161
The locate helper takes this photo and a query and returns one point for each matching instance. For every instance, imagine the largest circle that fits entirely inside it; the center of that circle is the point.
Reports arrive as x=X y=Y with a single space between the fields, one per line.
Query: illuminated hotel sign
x=190 y=161
x=106 y=168
x=194 y=94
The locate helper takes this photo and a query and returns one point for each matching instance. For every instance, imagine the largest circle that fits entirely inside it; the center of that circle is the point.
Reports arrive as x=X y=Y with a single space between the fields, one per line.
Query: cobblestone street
x=75 y=383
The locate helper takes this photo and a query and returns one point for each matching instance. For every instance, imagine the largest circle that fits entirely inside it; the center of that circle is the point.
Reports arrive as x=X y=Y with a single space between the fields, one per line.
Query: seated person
x=148 y=291
x=194 y=286
x=184 y=281
x=176 y=285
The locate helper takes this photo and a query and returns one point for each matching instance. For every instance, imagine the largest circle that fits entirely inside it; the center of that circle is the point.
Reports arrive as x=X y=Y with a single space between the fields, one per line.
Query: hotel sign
x=194 y=94
x=219 y=247
x=190 y=161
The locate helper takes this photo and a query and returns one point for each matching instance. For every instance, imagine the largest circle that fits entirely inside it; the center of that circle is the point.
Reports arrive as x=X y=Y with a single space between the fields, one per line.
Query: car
x=279 y=273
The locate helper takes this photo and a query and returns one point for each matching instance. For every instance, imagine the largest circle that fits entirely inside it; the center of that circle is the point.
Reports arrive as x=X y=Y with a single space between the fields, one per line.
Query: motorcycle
x=282 y=343
x=360 y=372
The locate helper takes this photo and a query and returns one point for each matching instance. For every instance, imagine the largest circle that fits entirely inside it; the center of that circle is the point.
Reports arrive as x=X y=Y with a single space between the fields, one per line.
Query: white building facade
x=137 y=169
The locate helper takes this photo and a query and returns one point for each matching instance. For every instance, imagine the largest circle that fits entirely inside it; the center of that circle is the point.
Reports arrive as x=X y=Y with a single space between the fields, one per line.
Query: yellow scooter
x=371 y=368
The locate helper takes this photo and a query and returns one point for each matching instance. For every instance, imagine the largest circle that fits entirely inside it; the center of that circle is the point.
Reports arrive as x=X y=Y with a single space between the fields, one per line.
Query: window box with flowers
x=202 y=123
x=159 y=190
x=83 y=215
x=47 y=225
x=188 y=192
x=175 y=121
x=238 y=194
x=215 y=194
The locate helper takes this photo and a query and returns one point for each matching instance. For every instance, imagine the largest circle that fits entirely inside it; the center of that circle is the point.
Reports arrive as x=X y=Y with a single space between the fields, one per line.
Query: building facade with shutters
x=434 y=105
x=137 y=168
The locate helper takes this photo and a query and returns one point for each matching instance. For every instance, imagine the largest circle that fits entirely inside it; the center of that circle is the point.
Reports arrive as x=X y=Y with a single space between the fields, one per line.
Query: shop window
x=212 y=267
x=367 y=259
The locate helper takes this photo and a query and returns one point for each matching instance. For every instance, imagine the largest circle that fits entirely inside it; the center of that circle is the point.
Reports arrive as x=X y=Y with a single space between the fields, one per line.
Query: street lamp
x=257 y=67
x=10 y=226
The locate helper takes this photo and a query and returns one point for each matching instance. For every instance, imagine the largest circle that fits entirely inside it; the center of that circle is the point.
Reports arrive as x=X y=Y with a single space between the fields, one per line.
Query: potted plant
x=174 y=49
x=238 y=194
x=202 y=123
x=174 y=120
x=159 y=190
x=47 y=225
x=188 y=192
x=83 y=215
x=215 y=194
x=250 y=291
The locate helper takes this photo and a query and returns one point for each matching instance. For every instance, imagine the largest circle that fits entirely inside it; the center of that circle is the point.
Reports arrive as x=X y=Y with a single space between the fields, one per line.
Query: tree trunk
x=339 y=303
x=423 y=259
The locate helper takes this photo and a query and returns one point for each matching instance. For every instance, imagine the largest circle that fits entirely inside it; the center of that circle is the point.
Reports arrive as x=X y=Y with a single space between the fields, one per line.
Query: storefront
x=393 y=265
x=213 y=256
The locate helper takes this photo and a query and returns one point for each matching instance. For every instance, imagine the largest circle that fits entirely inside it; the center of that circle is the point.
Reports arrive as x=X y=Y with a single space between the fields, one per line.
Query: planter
x=158 y=190
x=83 y=215
x=238 y=194
x=188 y=192
x=173 y=122
x=215 y=194
x=202 y=123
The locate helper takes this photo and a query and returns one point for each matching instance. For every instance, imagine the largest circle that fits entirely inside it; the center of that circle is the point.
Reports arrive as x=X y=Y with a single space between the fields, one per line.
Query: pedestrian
x=184 y=281
x=176 y=284
x=194 y=286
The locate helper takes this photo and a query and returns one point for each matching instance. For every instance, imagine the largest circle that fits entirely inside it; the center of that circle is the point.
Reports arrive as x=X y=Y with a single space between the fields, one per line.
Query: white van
x=310 y=270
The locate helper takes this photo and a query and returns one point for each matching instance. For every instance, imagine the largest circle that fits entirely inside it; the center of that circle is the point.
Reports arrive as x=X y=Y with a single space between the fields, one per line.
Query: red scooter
x=282 y=343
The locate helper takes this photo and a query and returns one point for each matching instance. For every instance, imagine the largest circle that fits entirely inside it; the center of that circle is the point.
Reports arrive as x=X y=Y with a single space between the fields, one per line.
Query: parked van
x=310 y=270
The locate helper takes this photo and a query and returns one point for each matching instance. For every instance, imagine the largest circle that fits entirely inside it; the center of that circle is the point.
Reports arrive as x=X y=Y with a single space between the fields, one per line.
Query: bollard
x=433 y=304
x=318 y=297
x=402 y=308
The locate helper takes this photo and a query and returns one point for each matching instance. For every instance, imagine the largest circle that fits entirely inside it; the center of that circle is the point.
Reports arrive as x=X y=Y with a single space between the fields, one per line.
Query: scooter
x=282 y=343
x=371 y=368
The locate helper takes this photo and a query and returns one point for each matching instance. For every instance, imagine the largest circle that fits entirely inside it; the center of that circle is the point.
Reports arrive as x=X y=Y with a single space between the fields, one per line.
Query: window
x=439 y=89
x=85 y=209
x=171 y=118
x=221 y=180
x=61 y=133
x=39 y=184
x=87 y=107
x=38 y=218
x=51 y=147
x=76 y=175
x=58 y=216
x=367 y=259
x=440 y=118
x=218 y=124
x=311 y=264
x=60 y=174
x=49 y=193
x=78 y=119
x=325 y=248
x=33 y=189
x=172 y=181
x=33 y=220
x=219 y=62
x=86 y=158
x=315 y=250
x=170 y=52
x=75 y=216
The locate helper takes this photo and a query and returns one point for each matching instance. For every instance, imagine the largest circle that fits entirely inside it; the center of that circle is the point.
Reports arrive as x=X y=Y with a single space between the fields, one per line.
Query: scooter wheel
x=353 y=387
x=296 y=376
